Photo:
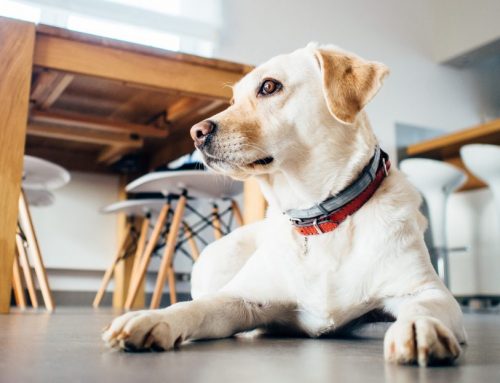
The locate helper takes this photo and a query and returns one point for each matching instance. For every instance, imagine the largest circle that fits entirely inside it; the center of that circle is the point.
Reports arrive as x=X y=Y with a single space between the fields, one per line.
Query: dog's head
x=287 y=106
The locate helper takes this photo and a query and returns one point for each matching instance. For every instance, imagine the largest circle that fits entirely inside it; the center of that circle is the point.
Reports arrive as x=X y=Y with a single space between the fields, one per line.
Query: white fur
x=261 y=274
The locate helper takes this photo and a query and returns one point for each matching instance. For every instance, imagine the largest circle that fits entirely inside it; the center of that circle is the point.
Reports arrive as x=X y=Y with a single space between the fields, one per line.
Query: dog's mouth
x=260 y=163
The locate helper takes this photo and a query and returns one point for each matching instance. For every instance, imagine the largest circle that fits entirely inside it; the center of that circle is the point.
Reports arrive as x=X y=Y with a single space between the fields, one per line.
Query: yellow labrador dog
x=343 y=235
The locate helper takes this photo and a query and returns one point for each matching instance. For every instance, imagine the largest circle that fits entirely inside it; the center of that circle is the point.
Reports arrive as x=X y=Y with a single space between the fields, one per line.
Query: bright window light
x=123 y=32
x=19 y=11
x=170 y=7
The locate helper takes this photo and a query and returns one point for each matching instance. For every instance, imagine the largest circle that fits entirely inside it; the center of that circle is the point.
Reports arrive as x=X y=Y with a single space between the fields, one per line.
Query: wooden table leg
x=123 y=269
x=141 y=245
x=28 y=277
x=146 y=257
x=126 y=242
x=166 y=266
x=34 y=249
x=17 y=285
x=16 y=60
x=216 y=222
x=237 y=213
x=254 y=204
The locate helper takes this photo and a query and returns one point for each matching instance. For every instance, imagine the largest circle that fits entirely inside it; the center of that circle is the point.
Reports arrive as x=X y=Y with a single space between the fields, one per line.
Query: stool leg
x=23 y=260
x=167 y=261
x=216 y=222
x=17 y=285
x=146 y=257
x=109 y=272
x=188 y=233
x=27 y=223
x=237 y=213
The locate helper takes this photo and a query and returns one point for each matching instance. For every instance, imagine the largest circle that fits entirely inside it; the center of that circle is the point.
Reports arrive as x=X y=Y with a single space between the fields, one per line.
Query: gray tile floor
x=65 y=347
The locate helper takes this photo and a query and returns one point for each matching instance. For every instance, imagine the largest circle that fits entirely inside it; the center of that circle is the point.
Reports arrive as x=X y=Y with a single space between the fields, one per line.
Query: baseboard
x=85 y=298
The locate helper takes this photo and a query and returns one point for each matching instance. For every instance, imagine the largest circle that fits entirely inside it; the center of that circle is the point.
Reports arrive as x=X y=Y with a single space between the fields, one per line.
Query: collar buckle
x=384 y=164
x=317 y=227
x=297 y=221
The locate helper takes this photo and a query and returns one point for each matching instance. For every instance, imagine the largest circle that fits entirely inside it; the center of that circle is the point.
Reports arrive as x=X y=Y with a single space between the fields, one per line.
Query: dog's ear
x=349 y=82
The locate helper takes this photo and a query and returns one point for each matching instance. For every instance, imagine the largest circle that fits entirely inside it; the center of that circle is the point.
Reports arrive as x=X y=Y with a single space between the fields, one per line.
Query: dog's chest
x=328 y=288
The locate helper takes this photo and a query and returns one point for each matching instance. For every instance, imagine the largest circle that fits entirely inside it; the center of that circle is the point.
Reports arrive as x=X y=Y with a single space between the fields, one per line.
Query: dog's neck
x=328 y=170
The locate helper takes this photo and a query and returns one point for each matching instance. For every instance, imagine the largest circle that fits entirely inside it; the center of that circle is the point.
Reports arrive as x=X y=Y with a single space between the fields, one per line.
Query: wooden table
x=87 y=102
x=447 y=147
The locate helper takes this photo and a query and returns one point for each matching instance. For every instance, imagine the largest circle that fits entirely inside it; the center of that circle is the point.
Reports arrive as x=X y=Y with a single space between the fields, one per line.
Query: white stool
x=39 y=176
x=436 y=180
x=133 y=240
x=484 y=161
x=182 y=185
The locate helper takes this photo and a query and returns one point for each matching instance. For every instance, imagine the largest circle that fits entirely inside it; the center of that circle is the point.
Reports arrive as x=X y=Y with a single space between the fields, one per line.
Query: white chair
x=180 y=187
x=40 y=174
x=435 y=180
x=39 y=177
x=484 y=161
x=134 y=239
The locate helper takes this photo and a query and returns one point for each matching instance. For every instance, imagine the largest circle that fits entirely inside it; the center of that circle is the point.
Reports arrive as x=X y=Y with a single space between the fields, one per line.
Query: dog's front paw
x=422 y=340
x=142 y=330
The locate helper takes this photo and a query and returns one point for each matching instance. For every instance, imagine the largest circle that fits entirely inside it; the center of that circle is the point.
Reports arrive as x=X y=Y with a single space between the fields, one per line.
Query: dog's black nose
x=201 y=131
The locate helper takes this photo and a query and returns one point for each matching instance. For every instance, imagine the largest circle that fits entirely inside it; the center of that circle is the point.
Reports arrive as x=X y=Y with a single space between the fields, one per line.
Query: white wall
x=464 y=25
x=398 y=33
x=73 y=235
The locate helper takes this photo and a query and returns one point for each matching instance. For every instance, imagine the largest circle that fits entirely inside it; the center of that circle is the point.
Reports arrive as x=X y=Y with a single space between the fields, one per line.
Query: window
x=124 y=32
x=16 y=10
x=180 y=25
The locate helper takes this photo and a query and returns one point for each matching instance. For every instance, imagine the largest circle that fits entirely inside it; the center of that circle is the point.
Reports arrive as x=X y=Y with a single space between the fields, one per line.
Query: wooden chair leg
x=109 y=272
x=216 y=222
x=188 y=233
x=28 y=277
x=141 y=244
x=167 y=261
x=138 y=276
x=34 y=248
x=237 y=213
x=17 y=285
x=171 y=285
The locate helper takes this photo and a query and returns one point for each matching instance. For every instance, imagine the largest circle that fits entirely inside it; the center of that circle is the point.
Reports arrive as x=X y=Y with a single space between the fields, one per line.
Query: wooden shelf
x=447 y=147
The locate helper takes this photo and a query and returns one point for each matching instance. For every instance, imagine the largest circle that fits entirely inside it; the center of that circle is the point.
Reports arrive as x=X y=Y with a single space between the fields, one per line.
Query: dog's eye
x=269 y=87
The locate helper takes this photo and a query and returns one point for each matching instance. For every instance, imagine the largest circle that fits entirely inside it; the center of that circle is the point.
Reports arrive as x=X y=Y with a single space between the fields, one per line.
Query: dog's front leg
x=428 y=328
x=216 y=316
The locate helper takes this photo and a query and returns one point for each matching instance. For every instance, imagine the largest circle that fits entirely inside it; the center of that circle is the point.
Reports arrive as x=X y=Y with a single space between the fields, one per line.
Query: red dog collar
x=334 y=210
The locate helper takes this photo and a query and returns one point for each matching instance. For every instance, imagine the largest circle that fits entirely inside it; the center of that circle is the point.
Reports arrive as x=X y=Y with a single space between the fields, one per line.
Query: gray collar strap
x=345 y=196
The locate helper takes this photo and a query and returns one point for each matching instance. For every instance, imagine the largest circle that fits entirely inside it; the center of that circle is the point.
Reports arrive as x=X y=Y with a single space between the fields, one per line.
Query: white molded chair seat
x=135 y=207
x=198 y=183
x=435 y=180
x=42 y=174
